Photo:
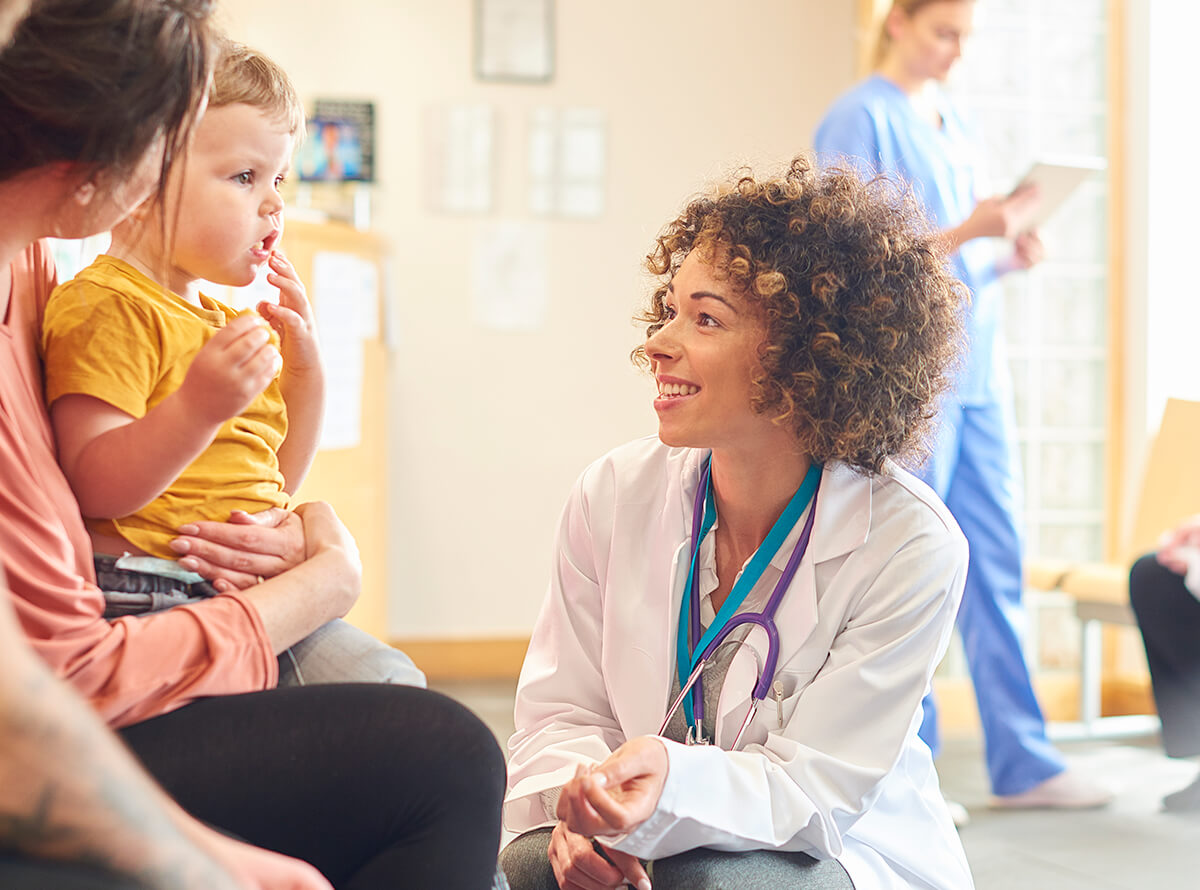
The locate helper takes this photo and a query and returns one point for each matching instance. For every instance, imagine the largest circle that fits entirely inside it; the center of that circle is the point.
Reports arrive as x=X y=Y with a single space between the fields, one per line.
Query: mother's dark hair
x=98 y=81
x=862 y=317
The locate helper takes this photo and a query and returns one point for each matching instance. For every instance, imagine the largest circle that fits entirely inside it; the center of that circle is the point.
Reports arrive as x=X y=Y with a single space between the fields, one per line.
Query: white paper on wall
x=515 y=39
x=345 y=291
x=459 y=158
x=509 y=288
x=567 y=162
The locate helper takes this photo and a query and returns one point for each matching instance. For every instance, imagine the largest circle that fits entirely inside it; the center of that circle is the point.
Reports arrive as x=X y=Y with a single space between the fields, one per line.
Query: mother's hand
x=241 y=552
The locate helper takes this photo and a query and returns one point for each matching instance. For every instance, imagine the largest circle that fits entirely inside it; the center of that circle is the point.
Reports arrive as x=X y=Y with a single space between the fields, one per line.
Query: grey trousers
x=336 y=652
x=528 y=868
x=339 y=652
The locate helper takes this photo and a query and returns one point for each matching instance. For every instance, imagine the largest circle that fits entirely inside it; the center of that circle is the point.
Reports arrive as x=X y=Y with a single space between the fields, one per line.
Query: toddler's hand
x=292 y=319
x=230 y=371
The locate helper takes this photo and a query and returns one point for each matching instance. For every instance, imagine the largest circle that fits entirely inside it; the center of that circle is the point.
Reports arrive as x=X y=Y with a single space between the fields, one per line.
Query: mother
x=96 y=100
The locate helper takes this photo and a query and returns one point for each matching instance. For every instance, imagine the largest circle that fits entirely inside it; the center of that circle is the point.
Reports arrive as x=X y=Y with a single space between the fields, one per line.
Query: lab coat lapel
x=645 y=696
x=841 y=524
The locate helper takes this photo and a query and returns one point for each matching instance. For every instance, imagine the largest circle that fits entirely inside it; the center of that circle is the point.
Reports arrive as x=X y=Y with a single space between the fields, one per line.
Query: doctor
x=799 y=337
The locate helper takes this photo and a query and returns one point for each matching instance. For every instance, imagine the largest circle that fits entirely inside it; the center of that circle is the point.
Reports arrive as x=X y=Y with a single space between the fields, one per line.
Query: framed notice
x=514 y=40
x=340 y=145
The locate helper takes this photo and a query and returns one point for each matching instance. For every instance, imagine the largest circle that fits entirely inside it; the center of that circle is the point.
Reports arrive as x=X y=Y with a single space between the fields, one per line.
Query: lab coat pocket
x=789 y=685
x=733 y=703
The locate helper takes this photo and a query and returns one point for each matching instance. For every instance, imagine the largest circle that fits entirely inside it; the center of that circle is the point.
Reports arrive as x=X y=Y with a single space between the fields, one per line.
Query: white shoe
x=958 y=813
x=1065 y=791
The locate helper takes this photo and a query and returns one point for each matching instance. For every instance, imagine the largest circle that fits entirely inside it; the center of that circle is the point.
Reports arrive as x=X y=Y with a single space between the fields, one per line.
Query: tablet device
x=1056 y=180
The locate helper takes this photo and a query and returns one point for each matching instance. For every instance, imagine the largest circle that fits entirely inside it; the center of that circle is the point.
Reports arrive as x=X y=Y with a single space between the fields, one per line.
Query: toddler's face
x=228 y=213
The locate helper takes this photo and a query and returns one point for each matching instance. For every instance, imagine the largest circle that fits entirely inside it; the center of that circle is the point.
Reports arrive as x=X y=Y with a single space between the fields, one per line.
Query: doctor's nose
x=661 y=345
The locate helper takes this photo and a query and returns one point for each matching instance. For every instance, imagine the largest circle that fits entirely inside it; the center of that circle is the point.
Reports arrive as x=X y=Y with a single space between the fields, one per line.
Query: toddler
x=168 y=406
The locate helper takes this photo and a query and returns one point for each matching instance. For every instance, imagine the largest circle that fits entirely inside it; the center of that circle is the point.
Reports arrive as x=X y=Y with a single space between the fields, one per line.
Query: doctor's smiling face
x=808 y=312
x=704 y=357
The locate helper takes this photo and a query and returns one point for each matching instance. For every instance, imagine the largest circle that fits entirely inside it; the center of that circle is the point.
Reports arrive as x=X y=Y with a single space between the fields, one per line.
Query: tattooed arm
x=71 y=792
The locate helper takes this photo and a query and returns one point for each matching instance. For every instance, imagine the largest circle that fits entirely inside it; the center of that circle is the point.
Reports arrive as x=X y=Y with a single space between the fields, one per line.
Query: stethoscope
x=692 y=650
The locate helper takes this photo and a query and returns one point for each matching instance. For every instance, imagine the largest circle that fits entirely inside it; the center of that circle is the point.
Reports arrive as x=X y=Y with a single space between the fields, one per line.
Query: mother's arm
x=138 y=667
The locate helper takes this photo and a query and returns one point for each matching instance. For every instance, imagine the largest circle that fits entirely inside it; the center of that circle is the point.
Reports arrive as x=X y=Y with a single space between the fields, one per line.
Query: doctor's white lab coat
x=864 y=622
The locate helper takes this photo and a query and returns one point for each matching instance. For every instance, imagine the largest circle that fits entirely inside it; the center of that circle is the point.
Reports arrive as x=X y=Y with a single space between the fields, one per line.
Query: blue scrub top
x=875 y=126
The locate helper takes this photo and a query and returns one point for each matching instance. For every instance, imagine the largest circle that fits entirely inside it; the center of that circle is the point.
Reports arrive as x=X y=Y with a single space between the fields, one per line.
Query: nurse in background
x=798 y=336
x=899 y=121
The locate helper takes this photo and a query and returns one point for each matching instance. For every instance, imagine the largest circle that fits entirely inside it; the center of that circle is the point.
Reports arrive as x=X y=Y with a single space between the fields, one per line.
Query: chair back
x=1171 y=486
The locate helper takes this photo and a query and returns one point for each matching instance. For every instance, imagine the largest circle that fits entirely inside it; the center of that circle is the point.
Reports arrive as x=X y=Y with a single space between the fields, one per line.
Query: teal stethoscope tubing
x=692 y=649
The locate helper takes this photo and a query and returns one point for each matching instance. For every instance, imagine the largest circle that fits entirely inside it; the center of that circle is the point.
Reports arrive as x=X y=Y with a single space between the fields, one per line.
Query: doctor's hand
x=619 y=794
x=577 y=864
x=236 y=554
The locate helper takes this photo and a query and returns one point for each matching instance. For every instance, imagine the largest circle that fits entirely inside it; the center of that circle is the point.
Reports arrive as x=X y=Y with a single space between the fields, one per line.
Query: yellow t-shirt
x=113 y=334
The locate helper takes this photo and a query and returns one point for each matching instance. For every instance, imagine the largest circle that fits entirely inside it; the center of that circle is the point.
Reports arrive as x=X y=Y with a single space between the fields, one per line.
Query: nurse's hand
x=1028 y=251
x=619 y=794
x=239 y=553
x=577 y=864
x=1001 y=216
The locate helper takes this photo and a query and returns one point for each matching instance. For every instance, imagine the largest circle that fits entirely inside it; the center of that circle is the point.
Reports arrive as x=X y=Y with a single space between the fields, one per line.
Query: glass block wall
x=1034 y=82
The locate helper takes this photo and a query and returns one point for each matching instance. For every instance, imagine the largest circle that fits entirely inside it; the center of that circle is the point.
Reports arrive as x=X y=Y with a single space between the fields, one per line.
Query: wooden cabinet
x=354 y=480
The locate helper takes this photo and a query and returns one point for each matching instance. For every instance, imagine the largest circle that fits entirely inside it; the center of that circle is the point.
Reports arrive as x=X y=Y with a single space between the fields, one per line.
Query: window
x=1035 y=82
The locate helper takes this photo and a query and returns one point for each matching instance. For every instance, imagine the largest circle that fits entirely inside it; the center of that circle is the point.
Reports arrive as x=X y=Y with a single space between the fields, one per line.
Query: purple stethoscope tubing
x=764 y=619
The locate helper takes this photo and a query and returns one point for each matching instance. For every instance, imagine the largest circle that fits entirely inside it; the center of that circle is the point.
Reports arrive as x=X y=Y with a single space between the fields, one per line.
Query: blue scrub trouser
x=973 y=469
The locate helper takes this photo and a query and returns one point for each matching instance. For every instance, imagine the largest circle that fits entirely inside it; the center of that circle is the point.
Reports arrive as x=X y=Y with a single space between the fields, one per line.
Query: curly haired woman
x=799 y=338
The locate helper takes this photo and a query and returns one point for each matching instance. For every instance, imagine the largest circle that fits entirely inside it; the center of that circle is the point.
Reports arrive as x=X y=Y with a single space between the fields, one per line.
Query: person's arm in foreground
x=70 y=792
x=302 y=381
x=117 y=463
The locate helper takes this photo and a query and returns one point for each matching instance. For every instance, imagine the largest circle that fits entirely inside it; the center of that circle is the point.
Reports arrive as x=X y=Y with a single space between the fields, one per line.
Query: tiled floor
x=1127 y=846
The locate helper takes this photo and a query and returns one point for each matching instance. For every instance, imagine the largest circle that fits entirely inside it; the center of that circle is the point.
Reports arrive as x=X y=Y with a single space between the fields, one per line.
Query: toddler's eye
x=244 y=178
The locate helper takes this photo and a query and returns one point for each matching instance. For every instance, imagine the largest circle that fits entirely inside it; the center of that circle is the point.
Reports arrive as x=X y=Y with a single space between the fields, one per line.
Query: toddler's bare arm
x=117 y=463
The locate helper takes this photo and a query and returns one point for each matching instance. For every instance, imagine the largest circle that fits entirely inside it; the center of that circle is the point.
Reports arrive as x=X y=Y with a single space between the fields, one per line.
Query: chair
x=1170 y=492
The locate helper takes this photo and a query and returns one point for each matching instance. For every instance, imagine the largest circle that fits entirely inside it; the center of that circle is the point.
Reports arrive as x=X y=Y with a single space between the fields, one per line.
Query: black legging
x=1169 y=618
x=377 y=786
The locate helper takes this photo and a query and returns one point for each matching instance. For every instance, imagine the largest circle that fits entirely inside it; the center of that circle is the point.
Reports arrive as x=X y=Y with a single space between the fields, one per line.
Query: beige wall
x=490 y=429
